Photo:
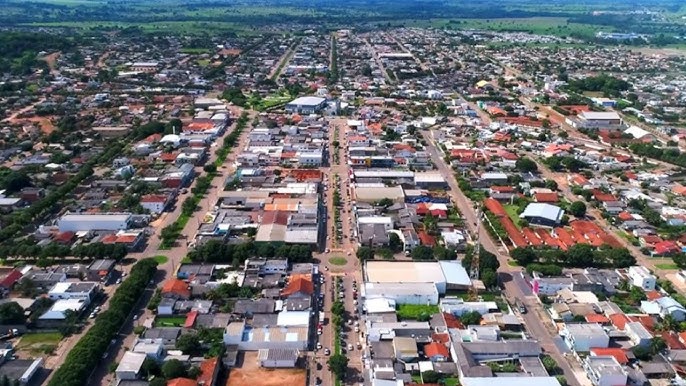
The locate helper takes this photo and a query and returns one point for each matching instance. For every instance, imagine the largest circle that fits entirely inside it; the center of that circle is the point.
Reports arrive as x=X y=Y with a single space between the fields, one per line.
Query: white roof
x=375 y=220
x=509 y=381
x=60 y=287
x=636 y=132
x=131 y=362
x=96 y=217
x=602 y=115
x=455 y=273
x=428 y=177
x=308 y=101
x=547 y=211
x=379 y=305
x=375 y=290
x=59 y=307
x=404 y=271
x=170 y=138
x=293 y=318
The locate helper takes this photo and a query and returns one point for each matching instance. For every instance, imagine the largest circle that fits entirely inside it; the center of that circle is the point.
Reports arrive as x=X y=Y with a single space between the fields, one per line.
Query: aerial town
x=387 y=208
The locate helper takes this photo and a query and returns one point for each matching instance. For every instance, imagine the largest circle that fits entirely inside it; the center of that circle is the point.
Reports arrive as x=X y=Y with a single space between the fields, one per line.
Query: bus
x=520 y=306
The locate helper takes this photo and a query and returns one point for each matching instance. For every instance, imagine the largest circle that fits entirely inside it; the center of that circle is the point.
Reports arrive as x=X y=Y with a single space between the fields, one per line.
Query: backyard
x=416 y=311
x=39 y=343
x=169 y=321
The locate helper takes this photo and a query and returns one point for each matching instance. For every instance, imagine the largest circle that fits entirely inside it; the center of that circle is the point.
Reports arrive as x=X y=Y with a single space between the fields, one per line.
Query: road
x=125 y=339
x=511 y=277
x=378 y=61
x=276 y=72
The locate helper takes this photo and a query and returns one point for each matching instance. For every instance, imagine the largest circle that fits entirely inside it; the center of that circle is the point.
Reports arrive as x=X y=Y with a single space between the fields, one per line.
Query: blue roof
x=455 y=273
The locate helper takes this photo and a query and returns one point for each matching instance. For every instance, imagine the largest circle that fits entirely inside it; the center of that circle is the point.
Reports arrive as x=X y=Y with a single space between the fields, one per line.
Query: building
x=74 y=290
x=130 y=366
x=542 y=214
x=403 y=293
x=509 y=381
x=77 y=222
x=306 y=105
x=581 y=337
x=604 y=371
x=436 y=352
x=156 y=203
x=252 y=338
x=277 y=358
x=457 y=306
x=638 y=334
x=405 y=349
x=596 y=120
x=112 y=131
x=665 y=306
x=57 y=313
x=444 y=275
x=642 y=278
x=22 y=370
x=176 y=289
x=100 y=270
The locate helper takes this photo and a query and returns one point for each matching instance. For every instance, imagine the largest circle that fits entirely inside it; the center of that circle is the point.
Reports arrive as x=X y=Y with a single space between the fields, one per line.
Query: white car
x=357 y=329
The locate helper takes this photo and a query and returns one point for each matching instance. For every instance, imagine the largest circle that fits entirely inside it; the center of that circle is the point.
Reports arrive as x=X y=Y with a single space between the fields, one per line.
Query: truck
x=322 y=317
x=520 y=306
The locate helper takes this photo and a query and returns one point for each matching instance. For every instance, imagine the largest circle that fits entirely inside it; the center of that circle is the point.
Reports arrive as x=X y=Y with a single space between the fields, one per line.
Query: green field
x=666 y=266
x=169 y=321
x=416 y=311
x=161 y=259
x=39 y=343
x=512 y=214
x=557 y=26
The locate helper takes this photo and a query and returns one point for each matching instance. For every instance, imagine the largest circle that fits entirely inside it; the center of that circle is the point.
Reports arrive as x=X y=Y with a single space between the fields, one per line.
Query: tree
x=150 y=367
x=526 y=165
x=210 y=168
x=365 y=253
x=422 y=252
x=577 y=209
x=489 y=277
x=470 y=318
x=158 y=381
x=385 y=202
x=395 y=243
x=339 y=365
x=189 y=344
x=551 y=184
x=11 y=313
x=523 y=256
x=431 y=376
x=173 y=368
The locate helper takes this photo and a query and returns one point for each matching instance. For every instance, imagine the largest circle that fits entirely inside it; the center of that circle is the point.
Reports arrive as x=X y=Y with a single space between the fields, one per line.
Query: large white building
x=581 y=337
x=77 y=222
x=596 y=120
x=306 y=105
x=641 y=277
x=604 y=371
x=130 y=365
x=444 y=274
x=74 y=290
x=403 y=293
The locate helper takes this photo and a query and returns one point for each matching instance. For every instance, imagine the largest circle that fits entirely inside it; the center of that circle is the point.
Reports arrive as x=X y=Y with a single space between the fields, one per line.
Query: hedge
x=87 y=353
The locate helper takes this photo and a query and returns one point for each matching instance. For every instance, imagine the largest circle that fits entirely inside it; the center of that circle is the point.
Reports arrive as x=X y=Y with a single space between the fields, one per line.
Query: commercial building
x=277 y=358
x=74 y=290
x=604 y=371
x=596 y=120
x=581 y=337
x=306 y=105
x=445 y=274
x=130 y=366
x=250 y=338
x=77 y=222
x=403 y=293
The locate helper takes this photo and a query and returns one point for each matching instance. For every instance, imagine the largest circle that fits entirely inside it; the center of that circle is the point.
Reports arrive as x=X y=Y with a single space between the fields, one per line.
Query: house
x=616 y=352
x=405 y=349
x=604 y=371
x=209 y=369
x=277 y=358
x=436 y=352
x=638 y=334
x=664 y=306
x=642 y=278
x=166 y=306
x=176 y=289
x=9 y=279
x=581 y=337
x=166 y=335
x=542 y=214
x=156 y=203
x=130 y=366
x=152 y=348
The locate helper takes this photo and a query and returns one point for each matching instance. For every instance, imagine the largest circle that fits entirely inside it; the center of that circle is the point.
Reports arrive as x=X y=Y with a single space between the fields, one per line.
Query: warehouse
x=430 y=180
x=542 y=214
x=77 y=222
x=277 y=358
x=376 y=194
x=403 y=293
x=444 y=274
x=306 y=105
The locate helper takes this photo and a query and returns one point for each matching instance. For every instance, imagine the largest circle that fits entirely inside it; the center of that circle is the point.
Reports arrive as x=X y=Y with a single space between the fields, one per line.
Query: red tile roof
x=451 y=321
x=443 y=337
x=434 y=349
x=666 y=247
x=299 y=284
x=176 y=287
x=619 y=320
x=672 y=340
x=546 y=197
x=502 y=189
x=597 y=318
x=11 y=279
x=190 y=319
x=625 y=216
x=602 y=196
x=495 y=207
x=426 y=239
x=208 y=370
x=618 y=353
x=515 y=235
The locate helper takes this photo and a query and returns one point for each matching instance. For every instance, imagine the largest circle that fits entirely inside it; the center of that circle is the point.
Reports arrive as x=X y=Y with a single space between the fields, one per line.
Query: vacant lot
x=38 y=344
x=169 y=321
x=250 y=373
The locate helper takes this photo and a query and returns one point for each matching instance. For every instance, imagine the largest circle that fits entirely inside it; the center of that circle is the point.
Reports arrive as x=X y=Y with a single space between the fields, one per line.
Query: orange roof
x=619 y=320
x=564 y=238
x=202 y=126
x=442 y=337
x=181 y=382
x=299 y=284
x=625 y=216
x=190 y=319
x=434 y=349
x=176 y=286
x=578 y=179
x=451 y=321
x=547 y=238
x=495 y=207
x=618 y=353
x=546 y=197
x=208 y=370
x=597 y=318
x=515 y=235
x=653 y=295
x=426 y=239
x=154 y=198
x=532 y=237
x=679 y=189
x=602 y=196
x=502 y=189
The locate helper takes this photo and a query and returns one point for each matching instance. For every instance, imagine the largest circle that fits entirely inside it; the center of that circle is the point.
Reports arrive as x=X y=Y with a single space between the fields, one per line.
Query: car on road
x=350 y=347
x=319 y=345
x=327 y=351
x=357 y=329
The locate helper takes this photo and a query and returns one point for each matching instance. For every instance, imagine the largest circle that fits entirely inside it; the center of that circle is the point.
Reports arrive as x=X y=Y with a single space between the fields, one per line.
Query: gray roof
x=248 y=306
x=166 y=333
x=524 y=348
x=281 y=354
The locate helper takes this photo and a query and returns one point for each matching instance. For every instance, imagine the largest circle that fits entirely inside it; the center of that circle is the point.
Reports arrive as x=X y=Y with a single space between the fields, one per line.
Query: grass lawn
x=417 y=379
x=169 y=321
x=512 y=213
x=194 y=51
x=513 y=263
x=161 y=259
x=338 y=260
x=666 y=266
x=451 y=381
x=416 y=311
x=39 y=343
